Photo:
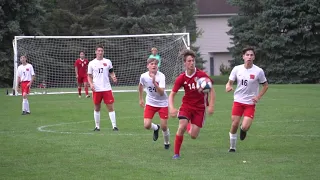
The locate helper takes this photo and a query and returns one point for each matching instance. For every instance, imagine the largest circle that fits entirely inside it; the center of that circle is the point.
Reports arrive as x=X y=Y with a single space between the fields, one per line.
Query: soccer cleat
x=79 y=96
x=166 y=146
x=176 y=156
x=156 y=133
x=96 y=129
x=243 y=134
x=28 y=112
x=232 y=150
x=87 y=96
x=24 y=113
x=115 y=129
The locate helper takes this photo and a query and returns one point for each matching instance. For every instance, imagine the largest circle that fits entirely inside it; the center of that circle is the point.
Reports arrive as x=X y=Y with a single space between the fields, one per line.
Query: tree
x=286 y=35
x=16 y=18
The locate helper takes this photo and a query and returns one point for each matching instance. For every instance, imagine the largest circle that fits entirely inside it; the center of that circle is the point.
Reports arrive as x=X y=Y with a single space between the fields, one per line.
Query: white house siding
x=214 y=39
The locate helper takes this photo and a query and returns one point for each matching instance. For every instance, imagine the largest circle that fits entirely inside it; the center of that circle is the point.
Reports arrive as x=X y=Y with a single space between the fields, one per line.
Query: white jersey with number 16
x=248 y=81
x=153 y=98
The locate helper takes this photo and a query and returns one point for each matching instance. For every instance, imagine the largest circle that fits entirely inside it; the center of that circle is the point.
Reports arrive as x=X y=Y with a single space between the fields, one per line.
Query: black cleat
x=28 y=112
x=243 y=134
x=24 y=113
x=167 y=146
x=156 y=133
x=96 y=129
x=115 y=129
x=232 y=150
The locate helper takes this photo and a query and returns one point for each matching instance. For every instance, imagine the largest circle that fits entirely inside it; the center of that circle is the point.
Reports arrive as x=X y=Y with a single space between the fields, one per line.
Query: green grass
x=283 y=143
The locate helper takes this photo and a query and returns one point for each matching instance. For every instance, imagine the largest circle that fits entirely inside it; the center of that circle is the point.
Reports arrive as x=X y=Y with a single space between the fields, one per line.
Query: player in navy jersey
x=194 y=103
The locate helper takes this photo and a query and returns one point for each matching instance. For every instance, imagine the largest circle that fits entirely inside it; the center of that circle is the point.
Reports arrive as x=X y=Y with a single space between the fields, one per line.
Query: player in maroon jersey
x=194 y=103
x=81 y=67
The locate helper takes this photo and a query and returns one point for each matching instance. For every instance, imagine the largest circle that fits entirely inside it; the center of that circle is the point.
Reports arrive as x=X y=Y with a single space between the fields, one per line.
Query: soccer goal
x=53 y=58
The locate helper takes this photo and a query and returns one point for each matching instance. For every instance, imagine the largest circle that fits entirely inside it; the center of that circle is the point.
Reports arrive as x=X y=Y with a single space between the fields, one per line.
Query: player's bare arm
x=264 y=89
x=212 y=100
x=113 y=75
x=159 y=90
x=141 y=102
x=18 y=85
x=76 y=70
x=90 y=77
x=229 y=86
x=32 y=80
x=173 y=111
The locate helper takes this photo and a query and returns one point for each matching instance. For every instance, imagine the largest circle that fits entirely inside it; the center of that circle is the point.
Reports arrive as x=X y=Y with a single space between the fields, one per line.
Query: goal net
x=53 y=58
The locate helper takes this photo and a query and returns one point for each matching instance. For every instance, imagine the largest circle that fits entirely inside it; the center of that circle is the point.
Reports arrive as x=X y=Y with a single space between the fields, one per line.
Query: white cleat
x=79 y=96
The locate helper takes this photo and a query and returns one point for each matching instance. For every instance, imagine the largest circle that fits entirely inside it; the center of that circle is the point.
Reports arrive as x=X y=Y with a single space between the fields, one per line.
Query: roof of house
x=215 y=7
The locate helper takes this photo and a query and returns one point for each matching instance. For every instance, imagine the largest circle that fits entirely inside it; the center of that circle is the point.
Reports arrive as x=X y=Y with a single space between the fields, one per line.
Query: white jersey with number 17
x=100 y=73
x=153 y=98
x=248 y=81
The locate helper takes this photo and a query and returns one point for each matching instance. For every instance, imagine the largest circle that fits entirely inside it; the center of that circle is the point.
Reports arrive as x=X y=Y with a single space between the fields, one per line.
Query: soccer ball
x=204 y=84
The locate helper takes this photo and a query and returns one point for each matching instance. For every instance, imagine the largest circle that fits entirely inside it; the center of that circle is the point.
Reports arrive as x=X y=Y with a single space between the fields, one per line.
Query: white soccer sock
x=154 y=127
x=25 y=105
x=233 y=140
x=96 y=115
x=112 y=116
x=166 y=135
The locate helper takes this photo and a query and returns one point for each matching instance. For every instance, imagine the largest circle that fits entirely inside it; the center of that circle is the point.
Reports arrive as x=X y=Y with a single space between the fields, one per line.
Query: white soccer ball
x=204 y=84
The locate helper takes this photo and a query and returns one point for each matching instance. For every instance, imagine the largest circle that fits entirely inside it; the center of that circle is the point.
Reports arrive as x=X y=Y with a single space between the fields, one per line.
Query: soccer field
x=57 y=140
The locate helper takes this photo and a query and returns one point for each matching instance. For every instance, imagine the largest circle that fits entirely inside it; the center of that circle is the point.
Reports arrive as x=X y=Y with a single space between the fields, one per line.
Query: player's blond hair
x=150 y=60
x=154 y=49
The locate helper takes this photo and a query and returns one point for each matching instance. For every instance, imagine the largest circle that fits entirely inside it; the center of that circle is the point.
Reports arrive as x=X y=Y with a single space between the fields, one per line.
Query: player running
x=194 y=103
x=26 y=77
x=154 y=83
x=99 y=70
x=81 y=67
x=248 y=77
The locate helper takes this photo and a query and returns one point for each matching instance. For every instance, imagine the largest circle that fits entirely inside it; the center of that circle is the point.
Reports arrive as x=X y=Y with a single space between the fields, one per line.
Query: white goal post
x=53 y=58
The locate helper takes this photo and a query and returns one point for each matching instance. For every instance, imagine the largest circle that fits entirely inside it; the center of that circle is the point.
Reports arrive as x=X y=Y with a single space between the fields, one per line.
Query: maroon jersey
x=82 y=67
x=192 y=99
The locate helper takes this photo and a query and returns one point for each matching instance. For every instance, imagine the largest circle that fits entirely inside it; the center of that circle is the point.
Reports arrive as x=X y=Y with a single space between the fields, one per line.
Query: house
x=212 y=21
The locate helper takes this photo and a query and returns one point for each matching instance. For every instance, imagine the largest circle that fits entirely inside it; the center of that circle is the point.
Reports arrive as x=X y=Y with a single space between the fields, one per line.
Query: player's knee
x=147 y=125
x=24 y=96
x=181 y=130
x=110 y=107
x=193 y=136
x=164 y=127
x=245 y=127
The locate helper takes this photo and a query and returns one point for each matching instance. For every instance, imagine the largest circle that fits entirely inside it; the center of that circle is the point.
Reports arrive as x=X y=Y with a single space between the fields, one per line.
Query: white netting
x=53 y=58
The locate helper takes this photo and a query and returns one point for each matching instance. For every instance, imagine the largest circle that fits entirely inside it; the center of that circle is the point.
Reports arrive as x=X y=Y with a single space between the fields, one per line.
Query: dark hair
x=187 y=53
x=99 y=46
x=150 y=60
x=245 y=50
x=24 y=55
x=82 y=52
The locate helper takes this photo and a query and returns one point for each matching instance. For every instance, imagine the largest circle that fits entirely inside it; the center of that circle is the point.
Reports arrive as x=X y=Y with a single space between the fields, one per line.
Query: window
x=211 y=66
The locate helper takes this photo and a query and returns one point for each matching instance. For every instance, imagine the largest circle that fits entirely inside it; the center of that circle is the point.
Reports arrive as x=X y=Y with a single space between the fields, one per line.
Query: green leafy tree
x=285 y=35
x=16 y=18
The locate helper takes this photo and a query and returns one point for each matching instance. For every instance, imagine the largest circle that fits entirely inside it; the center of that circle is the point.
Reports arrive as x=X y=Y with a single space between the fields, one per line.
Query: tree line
x=286 y=34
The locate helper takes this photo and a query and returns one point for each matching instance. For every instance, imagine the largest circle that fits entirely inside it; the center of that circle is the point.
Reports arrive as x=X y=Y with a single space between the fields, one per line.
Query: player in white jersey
x=248 y=77
x=25 y=79
x=154 y=83
x=99 y=71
